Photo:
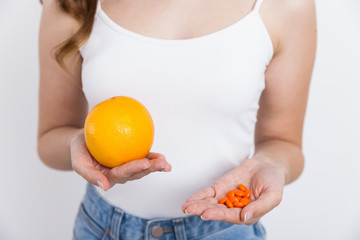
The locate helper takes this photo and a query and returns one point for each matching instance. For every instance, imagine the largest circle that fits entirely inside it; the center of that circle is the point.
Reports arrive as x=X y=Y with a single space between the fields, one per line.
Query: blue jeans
x=97 y=219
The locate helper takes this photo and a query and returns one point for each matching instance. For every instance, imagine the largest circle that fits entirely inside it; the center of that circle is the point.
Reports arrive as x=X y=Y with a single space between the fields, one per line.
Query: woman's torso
x=202 y=90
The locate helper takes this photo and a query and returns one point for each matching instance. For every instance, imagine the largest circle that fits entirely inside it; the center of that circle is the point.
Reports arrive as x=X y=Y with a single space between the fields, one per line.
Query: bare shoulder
x=296 y=12
x=56 y=26
x=57 y=21
x=287 y=18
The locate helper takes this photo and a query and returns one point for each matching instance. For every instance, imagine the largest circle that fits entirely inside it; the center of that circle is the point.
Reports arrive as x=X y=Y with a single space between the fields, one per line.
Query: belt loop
x=146 y=232
x=179 y=228
x=116 y=223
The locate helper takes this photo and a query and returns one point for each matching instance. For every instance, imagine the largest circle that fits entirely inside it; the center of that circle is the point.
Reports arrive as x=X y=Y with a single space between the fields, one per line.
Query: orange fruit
x=119 y=130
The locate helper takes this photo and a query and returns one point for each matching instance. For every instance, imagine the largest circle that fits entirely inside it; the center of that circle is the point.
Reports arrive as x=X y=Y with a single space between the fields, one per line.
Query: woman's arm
x=278 y=158
x=63 y=110
x=278 y=135
x=62 y=104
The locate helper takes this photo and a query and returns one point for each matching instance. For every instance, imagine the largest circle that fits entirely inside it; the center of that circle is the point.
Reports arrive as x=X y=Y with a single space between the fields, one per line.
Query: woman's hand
x=265 y=180
x=85 y=165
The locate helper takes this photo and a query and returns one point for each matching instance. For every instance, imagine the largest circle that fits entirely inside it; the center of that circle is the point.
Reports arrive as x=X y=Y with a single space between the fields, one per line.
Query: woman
x=218 y=78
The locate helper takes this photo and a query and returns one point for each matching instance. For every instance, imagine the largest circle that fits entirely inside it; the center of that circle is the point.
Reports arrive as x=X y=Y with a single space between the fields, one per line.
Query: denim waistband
x=116 y=222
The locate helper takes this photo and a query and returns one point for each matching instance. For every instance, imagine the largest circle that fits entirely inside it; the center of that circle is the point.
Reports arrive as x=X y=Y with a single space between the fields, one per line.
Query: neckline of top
x=115 y=26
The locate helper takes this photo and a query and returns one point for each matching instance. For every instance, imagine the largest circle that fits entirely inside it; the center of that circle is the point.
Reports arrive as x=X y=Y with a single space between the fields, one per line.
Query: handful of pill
x=237 y=198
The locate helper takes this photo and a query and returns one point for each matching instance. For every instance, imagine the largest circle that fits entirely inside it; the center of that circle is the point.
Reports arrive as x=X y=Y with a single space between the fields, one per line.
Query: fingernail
x=248 y=216
x=147 y=165
x=99 y=184
x=186 y=212
x=202 y=218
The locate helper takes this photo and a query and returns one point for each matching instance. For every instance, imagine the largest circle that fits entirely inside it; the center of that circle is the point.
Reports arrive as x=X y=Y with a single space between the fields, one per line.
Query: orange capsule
x=230 y=194
x=229 y=204
x=239 y=193
x=245 y=201
x=242 y=187
x=234 y=199
x=223 y=200
x=239 y=204
x=247 y=194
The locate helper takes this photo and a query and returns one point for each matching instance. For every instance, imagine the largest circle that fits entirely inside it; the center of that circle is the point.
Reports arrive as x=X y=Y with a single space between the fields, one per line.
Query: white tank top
x=202 y=94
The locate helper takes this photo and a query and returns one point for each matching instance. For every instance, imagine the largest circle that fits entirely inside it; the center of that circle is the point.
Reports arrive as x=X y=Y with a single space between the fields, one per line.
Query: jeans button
x=157 y=231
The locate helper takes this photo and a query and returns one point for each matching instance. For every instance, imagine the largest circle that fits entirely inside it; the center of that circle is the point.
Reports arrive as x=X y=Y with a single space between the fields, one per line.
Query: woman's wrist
x=283 y=155
x=265 y=162
x=75 y=136
x=256 y=164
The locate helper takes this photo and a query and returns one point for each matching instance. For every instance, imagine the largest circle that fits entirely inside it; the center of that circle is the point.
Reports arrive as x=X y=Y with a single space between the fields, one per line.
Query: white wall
x=39 y=203
x=35 y=201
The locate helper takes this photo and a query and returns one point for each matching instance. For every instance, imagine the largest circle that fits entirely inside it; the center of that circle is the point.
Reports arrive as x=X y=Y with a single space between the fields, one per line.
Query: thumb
x=267 y=200
x=93 y=176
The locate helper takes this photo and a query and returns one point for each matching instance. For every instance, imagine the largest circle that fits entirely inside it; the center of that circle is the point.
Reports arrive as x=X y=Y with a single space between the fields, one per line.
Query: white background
x=39 y=203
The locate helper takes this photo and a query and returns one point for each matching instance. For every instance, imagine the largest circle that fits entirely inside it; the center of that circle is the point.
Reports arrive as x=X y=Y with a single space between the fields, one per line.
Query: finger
x=268 y=200
x=137 y=169
x=203 y=194
x=199 y=206
x=122 y=172
x=221 y=188
x=83 y=164
x=154 y=155
x=222 y=213
x=88 y=171
x=158 y=162
x=157 y=165
x=252 y=221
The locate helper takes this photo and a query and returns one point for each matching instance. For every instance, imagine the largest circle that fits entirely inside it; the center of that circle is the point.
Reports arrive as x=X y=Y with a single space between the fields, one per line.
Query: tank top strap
x=257 y=5
x=98 y=7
